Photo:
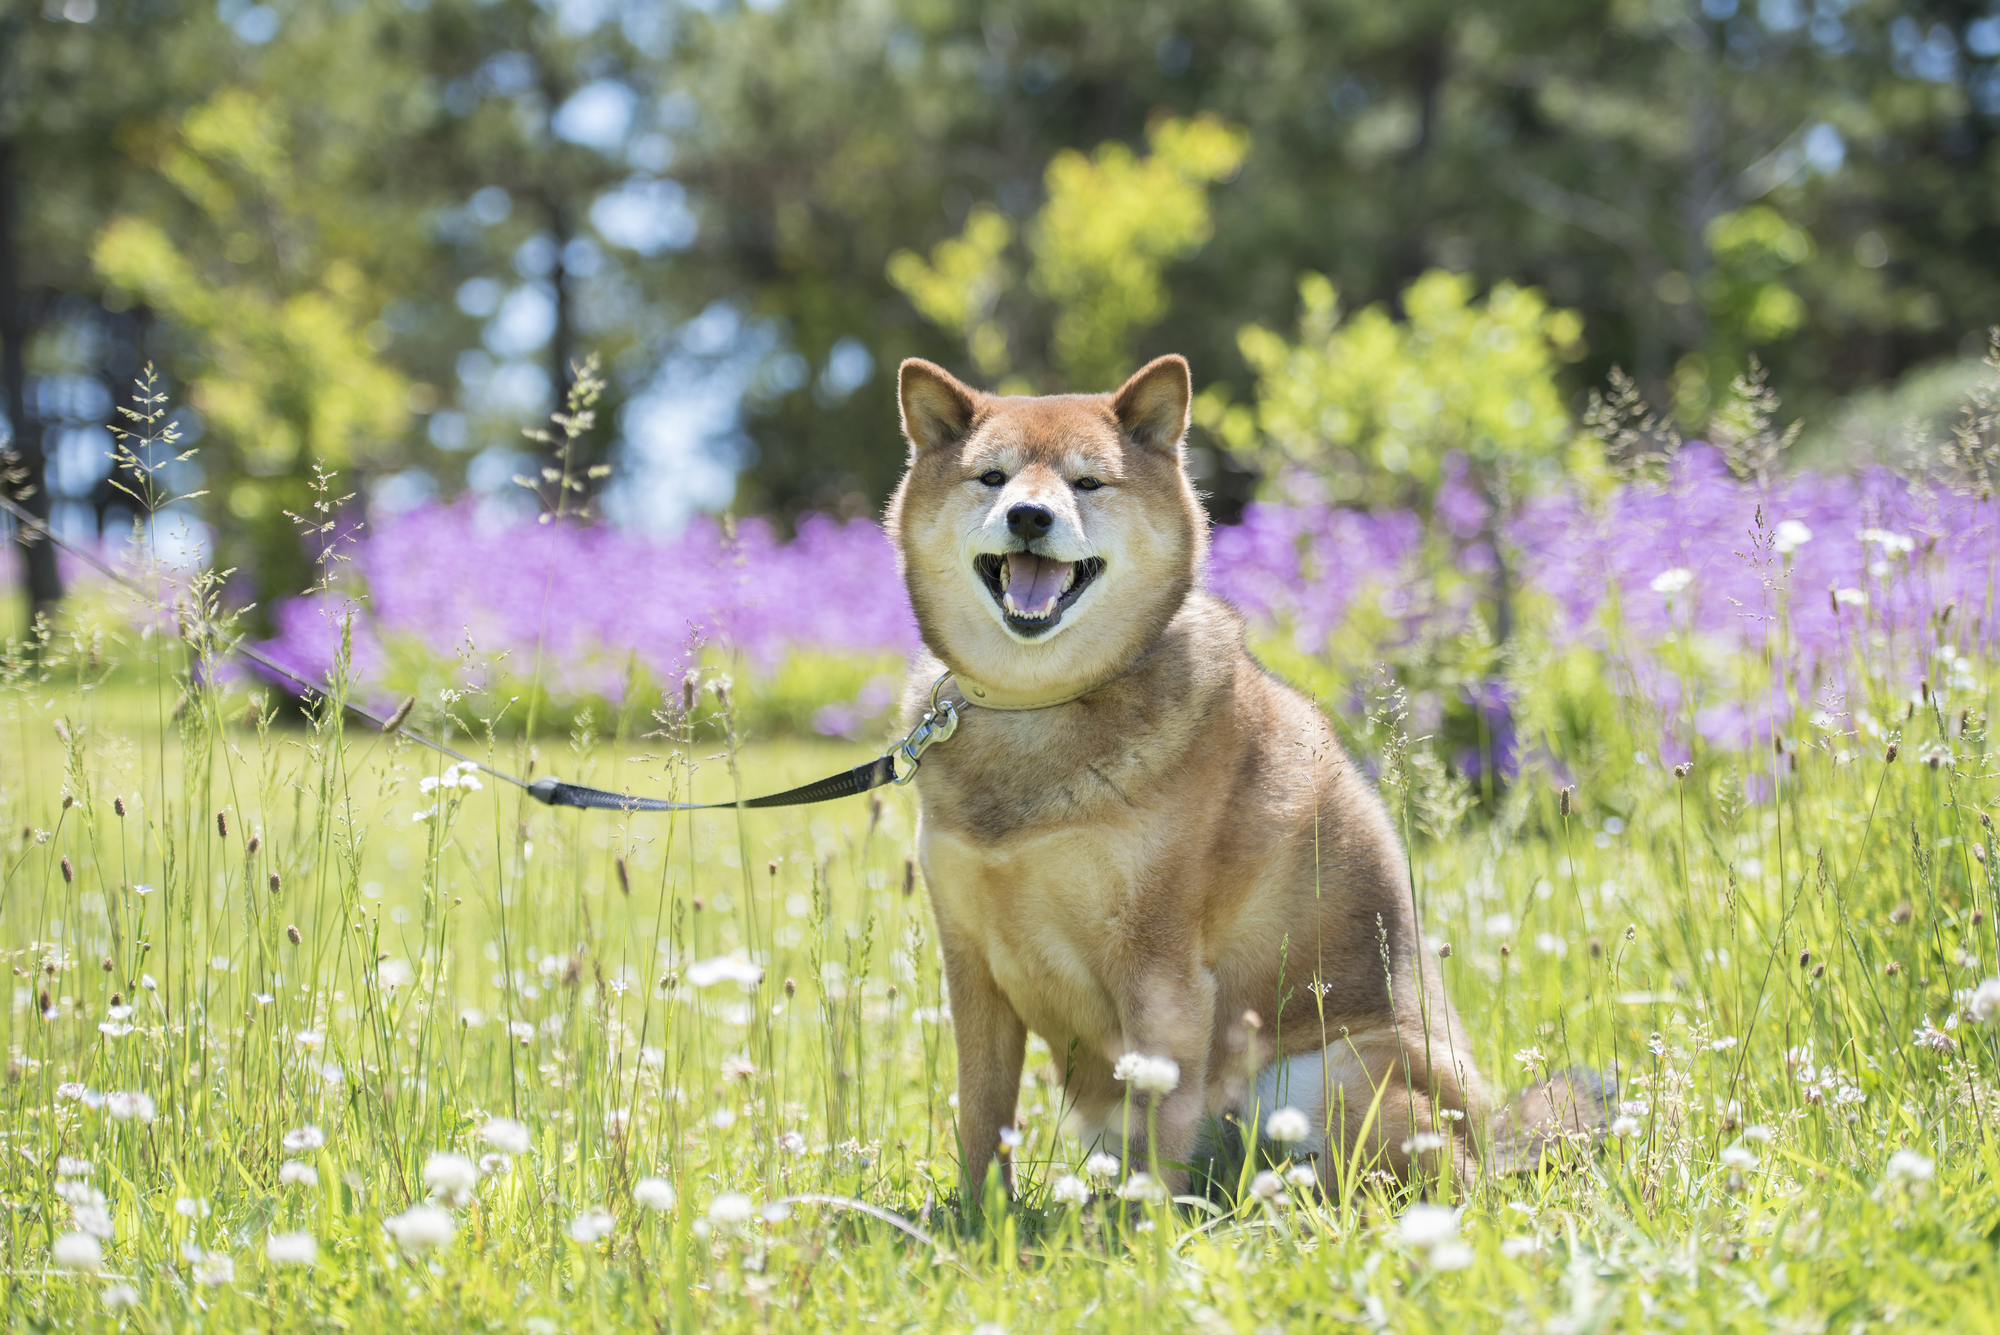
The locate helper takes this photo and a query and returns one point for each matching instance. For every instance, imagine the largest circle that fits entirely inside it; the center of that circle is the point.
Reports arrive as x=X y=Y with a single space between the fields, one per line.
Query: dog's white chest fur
x=1046 y=911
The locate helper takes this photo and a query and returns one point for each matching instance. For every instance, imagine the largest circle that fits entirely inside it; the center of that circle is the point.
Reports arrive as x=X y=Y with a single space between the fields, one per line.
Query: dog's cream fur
x=1137 y=869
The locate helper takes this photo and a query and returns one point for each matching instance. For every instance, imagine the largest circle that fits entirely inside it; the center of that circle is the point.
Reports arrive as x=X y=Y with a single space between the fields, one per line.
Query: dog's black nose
x=1028 y=522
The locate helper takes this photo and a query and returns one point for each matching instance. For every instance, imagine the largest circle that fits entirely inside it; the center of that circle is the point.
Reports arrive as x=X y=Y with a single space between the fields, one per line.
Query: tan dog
x=1138 y=834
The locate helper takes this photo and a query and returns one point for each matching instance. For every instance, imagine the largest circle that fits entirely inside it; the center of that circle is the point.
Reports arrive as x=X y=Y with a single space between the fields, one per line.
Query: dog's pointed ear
x=1152 y=407
x=937 y=408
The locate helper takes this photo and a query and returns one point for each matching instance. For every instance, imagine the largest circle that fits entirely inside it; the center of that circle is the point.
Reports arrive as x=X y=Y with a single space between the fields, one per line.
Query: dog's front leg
x=1171 y=1014
x=992 y=1044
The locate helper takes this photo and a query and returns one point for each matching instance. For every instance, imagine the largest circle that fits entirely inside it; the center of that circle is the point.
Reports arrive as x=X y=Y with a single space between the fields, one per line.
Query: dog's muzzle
x=1034 y=591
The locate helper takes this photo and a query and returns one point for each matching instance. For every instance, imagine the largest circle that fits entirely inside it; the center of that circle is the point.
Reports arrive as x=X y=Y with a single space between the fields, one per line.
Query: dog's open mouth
x=1034 y=591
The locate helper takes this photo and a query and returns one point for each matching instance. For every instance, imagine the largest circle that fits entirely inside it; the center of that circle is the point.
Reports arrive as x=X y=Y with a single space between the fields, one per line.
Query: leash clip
x=937 y=726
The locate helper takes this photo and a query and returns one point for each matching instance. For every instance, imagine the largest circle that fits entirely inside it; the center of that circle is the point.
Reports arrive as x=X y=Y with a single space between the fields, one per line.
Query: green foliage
x=1112 y=223
x=1375 y=403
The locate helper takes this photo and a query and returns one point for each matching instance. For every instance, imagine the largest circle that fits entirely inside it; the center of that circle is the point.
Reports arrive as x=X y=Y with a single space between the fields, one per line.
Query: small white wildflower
x=309 y=1039
x=1425 y=1225
x=734 y=968
x=1423 y=1143
x=1519 y=1246
x=1739 y=1156
x=1672 y=581
x=1069 y=1189
x=792 y=1143
x=392 y=974
x=654 y=1193
x=1101 y=1166
x=592 y=1226
x=73 y=1091
x=215 y=1270
x=492 y=1165
x=303 y=1139
x=296 y=1174
x=1302 y=1176
x=189 y=1207
x=1010 y=1137
x=1850 y=597
x=93 y=1219
x=1723 y=1044
x=77 y=1251
x=1985 y=1001
x=1287 y=1126
x=1635 y=1107
x=116 y=1296
x=70 y=1166
x=113 y=1028
x=1909 y=1166
x=1267 y=1186
x=130 y=1107
x=722 y=1118
x=291 y=1249
x=1790 y=536
x=1758 y=1132
x=79 y=1193
x=1142 y=1187
x=451 y=1177
x=1530 y=1057
x=1148 y=1075
x=506 y=1135
x=421 y=1228
x=1893 y=544
x=1453 y=1255
x=730 y=1209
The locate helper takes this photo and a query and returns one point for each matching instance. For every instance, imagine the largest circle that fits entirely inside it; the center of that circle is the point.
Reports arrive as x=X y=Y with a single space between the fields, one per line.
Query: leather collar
x=988 y=697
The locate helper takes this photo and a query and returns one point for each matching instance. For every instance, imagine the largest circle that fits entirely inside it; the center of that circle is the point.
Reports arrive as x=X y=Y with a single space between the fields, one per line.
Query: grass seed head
x=222 y=823
x=68 y=872
x=118 y=807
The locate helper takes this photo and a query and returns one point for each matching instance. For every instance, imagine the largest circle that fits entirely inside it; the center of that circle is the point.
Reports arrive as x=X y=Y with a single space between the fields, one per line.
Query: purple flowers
x=1691 y=589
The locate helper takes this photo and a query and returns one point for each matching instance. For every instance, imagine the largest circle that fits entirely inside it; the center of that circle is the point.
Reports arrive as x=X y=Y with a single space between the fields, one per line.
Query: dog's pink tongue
x=1035 y=582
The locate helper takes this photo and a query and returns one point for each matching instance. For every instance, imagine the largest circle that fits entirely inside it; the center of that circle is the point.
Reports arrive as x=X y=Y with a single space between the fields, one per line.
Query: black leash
x=937 y=725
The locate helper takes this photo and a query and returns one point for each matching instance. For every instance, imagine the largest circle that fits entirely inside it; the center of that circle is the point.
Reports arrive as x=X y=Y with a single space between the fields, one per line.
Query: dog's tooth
x=1006 y=573
x=1069 y=579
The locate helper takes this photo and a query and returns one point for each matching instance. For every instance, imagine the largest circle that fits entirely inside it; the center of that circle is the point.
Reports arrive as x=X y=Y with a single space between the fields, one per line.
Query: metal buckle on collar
x=936 y=726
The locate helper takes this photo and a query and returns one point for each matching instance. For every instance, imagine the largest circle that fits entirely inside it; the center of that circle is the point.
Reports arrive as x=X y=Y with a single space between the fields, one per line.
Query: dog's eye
x=993 y=477
x=1088 y=484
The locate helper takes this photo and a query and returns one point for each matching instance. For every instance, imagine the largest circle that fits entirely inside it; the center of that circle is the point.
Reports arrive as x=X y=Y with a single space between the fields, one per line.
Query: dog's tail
x=1554 y=1122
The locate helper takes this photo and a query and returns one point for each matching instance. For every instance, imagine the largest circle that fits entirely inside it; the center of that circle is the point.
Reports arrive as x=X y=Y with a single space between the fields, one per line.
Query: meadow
x=313 y=1029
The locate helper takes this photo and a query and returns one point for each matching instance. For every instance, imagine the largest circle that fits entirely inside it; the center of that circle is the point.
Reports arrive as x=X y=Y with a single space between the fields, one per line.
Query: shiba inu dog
x=1140 y=841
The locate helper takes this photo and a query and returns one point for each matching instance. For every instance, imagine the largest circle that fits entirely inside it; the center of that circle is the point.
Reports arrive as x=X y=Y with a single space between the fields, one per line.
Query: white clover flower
x=77 y=1251
x=1302 y=1176
x=1142 y=1187
x=116 y=1296
x=1519 y=1246
x=792 y=1143
x=1723 y=1044
x=303 y=1139
x=215 y=1270
x=1287 y=1126
x=592 y=1226
x=1101 y=1166
x=1909 y=1166
x=70 y=1166
x=1985 y=1001
x=1069 y=1189
x=654 y=1193
x=1790 y=536
x=1892 y=544
x=1148 y=1075
x=451 y=1177
x=506 y=1135
x=92 y=1219
x=189 y=1207
x=1758 y=1132
x=496 y=1164
x=1453 y=1255
x=1672 y=581
x=78 y=1193
x=1426 y=1225
x=1267 y=1186
x=1423 y=1142
x=1850 y=597
x=130 y=1107
x=421 y=1228
x=730 y=1209
x=1635 y=1107
x=296 y=1174
x=73 y=1091
x=734 y=968
x=394 y=973
x=1739 y=1156
x=291 y=1249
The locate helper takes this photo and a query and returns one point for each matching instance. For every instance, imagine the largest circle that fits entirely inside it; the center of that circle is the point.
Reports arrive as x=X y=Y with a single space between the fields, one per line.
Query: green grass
x=492 y=961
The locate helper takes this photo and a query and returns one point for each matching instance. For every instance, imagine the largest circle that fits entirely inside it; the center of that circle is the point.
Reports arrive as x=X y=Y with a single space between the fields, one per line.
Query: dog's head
x=1046 y=542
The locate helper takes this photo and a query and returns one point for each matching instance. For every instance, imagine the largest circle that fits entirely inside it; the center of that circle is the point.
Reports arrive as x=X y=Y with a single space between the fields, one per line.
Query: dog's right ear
x=937 y=409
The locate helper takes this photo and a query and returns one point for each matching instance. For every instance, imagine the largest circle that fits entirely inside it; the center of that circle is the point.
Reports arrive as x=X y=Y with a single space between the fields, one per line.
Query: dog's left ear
x=1152 y=406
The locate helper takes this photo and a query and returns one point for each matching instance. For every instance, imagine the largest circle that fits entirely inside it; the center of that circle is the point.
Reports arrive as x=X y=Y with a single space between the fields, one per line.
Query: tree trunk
x=27 y=482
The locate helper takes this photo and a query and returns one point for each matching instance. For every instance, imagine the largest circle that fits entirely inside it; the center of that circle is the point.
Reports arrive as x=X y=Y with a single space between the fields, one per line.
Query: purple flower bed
x=1617 y=573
